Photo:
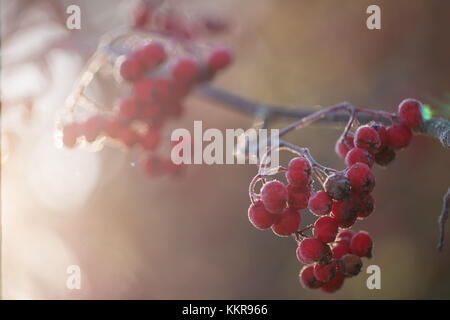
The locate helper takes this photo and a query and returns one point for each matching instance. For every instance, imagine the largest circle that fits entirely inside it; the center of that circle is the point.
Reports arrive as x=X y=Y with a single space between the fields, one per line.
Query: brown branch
x=435 y=127
x=443 y=218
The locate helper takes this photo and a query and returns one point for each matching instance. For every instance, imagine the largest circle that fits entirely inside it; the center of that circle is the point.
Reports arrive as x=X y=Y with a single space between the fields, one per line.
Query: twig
x=443 y=218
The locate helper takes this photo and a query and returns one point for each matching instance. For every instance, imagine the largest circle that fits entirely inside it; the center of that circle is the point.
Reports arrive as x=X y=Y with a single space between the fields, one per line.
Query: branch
x=443 y=218
x=435 y=127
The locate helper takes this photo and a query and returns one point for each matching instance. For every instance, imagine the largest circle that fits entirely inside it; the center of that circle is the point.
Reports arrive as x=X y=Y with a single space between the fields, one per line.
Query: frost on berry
x=307 y=278
x=345 y=235
x=344 y=145
x=410 y=113
x=312 y=250
x=358 y=155
x=361 y=244
x=351 y=264
x=325 y=229
x=399 y=136
x=259 y=216
x=70 y=134
x=185 y=71
x=337 y=186
x=274 y=196
x=287 y=222
x=320 y=203
x=367 y=138
x=92 y=127
x=299 y=172
x=361 y=178
x=298 y=197
x=219 y=58
x=385 y=156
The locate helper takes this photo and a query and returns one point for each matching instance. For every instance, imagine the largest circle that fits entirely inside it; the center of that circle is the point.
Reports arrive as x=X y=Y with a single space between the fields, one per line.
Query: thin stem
x=443 y=218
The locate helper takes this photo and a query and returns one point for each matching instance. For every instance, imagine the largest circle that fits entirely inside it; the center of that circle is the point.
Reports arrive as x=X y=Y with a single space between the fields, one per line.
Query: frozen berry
x=128 y=109
x=307 y=279
x=259 y=216
x=324 y=272
x=287 y=222
x=325 y=229
x=131 y=69
x=385 y=156
x=361 y=244
x=320 y=203
x=367 y=138
x=366 y=206
x=298 y=197
x=143 y=90
x=128 y=136
x=410 y=113
x=361 y=178
x=334 y=283
x=92 y=127
x=343 y=146
x=345 y=235
x=151 y=55
x=70 y=134
x=219 y=58
x=345 y=211
x=382 y=133
x=351 y=264
x=399 y=136
x=299 y=172
x=358 y=155
x=313 y=250
x=337 y=186
x=185 y=70
x=274 y=196
x=340 y=248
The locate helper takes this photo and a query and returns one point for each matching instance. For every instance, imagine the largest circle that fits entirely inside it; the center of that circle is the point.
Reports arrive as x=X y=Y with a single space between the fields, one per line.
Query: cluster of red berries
x=159 y=84
x=333 y=252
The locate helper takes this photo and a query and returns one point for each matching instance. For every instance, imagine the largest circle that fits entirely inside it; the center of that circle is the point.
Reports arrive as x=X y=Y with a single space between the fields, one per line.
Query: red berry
x=143 y=90
x=131 y=69
x=367 y=138
x=351 y=264
x=382 y=133
x=325 y=229
x=410 y=113
x=299 y=172
x=185 y=71
x=274 y=195
x=334 y=283
x=113 y=128
x=320 y=203
x=307 y=279
x=367 y=204
x=70 y=134
x=151 y=55
x=142 y=14
x=345 y=211
x=128 y=109
x=361 y=244
x=128 y=136
x=150 y=140
x=324 y=272
x=163 y=89
x=287 y=222
x=385 y=156
x=219 y=58
x=259 y=216
x=298 y=197
x=358 y=155
x=313 y=250
x=337 y=186
x=150 y=110
x=361 y=178
x=345 y=235
x=152 y=166
x=341 y=248
x=342 y=146
x=399 y=136
x=93 y=127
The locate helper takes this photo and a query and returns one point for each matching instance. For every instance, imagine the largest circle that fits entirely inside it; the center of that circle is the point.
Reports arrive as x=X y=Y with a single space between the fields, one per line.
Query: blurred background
x=189 y=238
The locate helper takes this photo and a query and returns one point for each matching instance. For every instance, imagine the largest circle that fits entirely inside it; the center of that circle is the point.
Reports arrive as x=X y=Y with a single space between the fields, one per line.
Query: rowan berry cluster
x=159 y=80
x=333 y=252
